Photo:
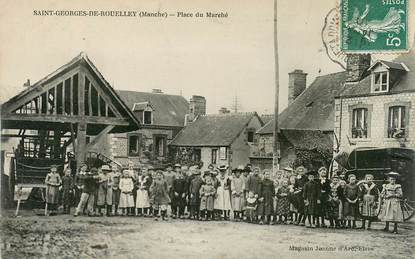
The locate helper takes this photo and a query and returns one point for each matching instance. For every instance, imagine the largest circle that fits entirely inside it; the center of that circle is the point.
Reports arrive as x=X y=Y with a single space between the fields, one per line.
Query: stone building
x=306 y=125
x=377 y=106
x=220 y=139
x=162 y=116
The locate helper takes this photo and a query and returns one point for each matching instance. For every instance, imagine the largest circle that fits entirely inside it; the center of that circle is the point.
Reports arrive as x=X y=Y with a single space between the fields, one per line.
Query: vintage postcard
x=207 y=129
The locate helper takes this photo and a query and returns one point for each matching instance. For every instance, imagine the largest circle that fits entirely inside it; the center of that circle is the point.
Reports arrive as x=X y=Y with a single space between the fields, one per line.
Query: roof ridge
x=161 y=94
x=330 y=74
x=230 y=114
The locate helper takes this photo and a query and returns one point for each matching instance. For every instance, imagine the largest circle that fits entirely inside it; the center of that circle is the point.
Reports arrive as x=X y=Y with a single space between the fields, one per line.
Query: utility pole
x=235 y=105
x=276 y=149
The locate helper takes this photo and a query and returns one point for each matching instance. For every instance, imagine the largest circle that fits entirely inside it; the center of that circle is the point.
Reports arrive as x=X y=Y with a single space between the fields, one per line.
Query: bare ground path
x=128 y=237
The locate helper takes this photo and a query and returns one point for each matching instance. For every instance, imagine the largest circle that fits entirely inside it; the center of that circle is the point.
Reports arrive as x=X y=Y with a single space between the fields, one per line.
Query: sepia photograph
x=207 y=129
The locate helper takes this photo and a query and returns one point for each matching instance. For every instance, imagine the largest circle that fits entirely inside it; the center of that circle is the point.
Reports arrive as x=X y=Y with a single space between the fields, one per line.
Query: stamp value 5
x=374 y=25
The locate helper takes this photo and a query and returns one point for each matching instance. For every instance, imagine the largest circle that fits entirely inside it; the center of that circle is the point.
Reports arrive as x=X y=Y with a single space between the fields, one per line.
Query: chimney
x=357 y=65
x=27 y=84
x=224 y=110
x=296 y=84
x=156 y=91
x=197 y=106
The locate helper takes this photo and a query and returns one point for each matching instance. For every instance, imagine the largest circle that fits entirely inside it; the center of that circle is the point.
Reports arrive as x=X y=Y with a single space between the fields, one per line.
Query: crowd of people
x=300 y=197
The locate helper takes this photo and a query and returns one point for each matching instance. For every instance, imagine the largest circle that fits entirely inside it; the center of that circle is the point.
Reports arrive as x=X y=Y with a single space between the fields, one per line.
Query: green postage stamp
x=374 y=25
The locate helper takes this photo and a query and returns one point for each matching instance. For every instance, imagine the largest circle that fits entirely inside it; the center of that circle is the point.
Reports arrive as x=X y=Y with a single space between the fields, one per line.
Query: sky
x=218 y=58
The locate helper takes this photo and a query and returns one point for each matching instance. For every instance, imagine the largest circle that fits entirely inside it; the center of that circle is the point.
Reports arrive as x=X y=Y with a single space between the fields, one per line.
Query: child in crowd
x=251 y=206
x=207 y=194
x=323 y=196
x=266 y=198
x=126 y=197
x=351 y=203
x=159 y=196
x=276 y=187
x=391 y=210
x=368 y=196
x=244 y=177
x=53 y=181
x=67 y=191
x=311 y=196
x=300 y=181
x=89 y=180
x=340 y=193
x=104 y=197
x=178 y=194
x=292 y=200
x=142 y=203
x=194 y=193
x=116 y=192
x=283 y=205
x=334 y=202
x=237 y=189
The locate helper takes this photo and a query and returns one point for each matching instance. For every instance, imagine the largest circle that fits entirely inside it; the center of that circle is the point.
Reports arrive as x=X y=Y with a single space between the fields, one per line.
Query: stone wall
x=378 y=107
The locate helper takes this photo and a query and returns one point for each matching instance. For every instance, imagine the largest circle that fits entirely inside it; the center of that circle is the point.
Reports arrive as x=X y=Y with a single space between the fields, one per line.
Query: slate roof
x=169 y=110
x=314 y=108
x=309 y=139
x=266 y=118
x=404 y=84
x=213 y=130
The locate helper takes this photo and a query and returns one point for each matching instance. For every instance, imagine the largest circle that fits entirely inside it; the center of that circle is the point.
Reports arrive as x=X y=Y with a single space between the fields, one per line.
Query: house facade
x=162 y=116
x=306 y=125
x=220 y=139
x=378 y=110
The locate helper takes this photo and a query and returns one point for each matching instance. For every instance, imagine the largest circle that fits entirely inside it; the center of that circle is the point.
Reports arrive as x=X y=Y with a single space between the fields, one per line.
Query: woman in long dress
x=391 y=210
x=237 y=188
x=53 y=181
x=223 y=197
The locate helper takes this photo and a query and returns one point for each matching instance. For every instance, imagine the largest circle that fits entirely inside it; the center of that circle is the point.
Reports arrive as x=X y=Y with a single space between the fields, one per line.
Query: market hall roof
x=313 y=109
x=213 y=130
x=404 y=65
x=75 y=92
x=169 y=110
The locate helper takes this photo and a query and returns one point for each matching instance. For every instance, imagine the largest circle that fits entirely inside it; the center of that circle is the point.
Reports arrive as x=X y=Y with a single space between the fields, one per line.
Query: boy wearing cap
x=79 y=183
x=300 y=181
x=324 y=195
x=159 y=196
x=178 y=195
x=311 y=195
x=194 y=193
x=266 y=199
x=104 y=197
x=116 y=192
x=53 y=181
x=67 y=191
x=88 y=192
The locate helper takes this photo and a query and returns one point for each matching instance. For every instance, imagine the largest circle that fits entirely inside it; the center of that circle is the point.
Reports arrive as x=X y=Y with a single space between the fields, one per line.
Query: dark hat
x=312 y=173
x=94 y=170
x=222 y=167
x=394 y=174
